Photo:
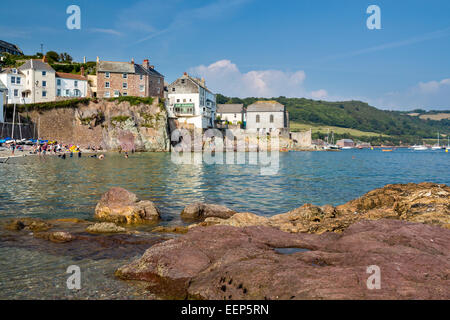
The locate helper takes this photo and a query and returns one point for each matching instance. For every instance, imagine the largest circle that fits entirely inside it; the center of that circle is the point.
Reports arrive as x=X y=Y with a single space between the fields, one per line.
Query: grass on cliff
x=133 y=101
x=70 y=104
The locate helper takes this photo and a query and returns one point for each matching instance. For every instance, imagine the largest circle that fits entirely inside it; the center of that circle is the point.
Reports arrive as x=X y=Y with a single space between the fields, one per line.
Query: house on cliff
x=115 y=79
x=14 y=80
x=70 y=85
x=40 y=81
x=191 y=102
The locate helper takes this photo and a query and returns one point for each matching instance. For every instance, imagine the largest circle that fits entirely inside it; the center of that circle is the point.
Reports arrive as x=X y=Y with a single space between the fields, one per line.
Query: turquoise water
x=50 y=187
x=54 y=188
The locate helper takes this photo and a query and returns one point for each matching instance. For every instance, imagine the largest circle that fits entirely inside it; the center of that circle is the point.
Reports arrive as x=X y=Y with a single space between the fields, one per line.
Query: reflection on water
x=54 y=188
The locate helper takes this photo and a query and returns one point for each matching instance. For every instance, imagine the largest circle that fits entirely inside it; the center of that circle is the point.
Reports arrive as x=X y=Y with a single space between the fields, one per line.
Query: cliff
x=112 y=124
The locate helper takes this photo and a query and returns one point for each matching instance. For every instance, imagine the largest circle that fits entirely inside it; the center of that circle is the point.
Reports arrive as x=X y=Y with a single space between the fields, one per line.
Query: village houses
x=39 y=82
x=115 y=79
x=267 y=117
x=14 y=80
x=233 y=113
x=191 y=102
x=71 y=85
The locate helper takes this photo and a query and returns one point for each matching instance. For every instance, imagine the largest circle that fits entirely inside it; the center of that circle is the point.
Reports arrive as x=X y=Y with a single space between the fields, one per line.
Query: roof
x=115 y=66
x=9 y=70
x=140 y=69
x=229 y=108
x=2 y=86
x=36 y=64
x=266 y=106
x=10 y=46
x=70 y=76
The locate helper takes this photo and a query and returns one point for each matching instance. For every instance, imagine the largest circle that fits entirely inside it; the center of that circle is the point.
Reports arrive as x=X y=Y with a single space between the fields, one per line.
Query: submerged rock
x=31 y=224
x=57 y=236
x=121 y=206
x=105 y=227
x=201 y=211
x=223 y=262
x=176 y=229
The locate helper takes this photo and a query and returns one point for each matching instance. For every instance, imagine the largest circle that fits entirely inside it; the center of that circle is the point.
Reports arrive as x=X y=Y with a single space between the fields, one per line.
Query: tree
x=52 y=56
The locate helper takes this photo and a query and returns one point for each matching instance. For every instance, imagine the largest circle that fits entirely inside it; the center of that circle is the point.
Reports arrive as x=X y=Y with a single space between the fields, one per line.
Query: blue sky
x=317 y=49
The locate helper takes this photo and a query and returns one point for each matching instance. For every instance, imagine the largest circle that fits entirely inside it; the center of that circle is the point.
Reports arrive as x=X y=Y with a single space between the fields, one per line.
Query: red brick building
x=115 y=79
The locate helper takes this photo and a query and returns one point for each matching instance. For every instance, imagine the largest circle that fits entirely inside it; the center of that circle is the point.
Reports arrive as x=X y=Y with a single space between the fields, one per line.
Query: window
x=116 y=93
x=16 y=93
x=107 y=94
x=58 y=82
x=77 y=93
x=44 y=73
x=141 y=88
x=124 y=85
x=173 y=89
x=18 y=80
x=184 y=100
x=107 y=74
x=44 y=93
x=159 y=80
x=178 y=100
x=106 y=84
x=75 y=83
x=124 y=75
x=183 y=81
x=58 y=92
x=124 y=94
x=235 y=116
x=67 y=93
x=141 y=77
x=257 y=118
x=14 y=71
x=44 y=83
x=271 y=118
x=13 y=80
x=158 y=90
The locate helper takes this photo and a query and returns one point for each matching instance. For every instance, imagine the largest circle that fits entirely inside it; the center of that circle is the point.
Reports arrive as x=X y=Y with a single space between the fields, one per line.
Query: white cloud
x=225 y=77
x=106 y=31
x=319 y=94
x=424 y=95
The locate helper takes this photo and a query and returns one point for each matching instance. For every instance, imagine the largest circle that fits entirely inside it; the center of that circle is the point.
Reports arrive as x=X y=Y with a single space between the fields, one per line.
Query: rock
x=105 y=227
x=121 y=206
x=57 y=236
x=224 y=262
x=426 y=203
x=31 y=224
x=201 y=211
x=176 y=229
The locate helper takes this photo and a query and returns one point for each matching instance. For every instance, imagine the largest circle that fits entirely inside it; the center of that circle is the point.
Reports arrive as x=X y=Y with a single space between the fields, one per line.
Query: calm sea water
x=54 y=188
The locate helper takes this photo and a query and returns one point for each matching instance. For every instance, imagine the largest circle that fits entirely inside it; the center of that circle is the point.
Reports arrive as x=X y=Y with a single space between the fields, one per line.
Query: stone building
x=115 y=79
x=10 y=48
x=191 y=102
x=233 y=113
x=266 y=117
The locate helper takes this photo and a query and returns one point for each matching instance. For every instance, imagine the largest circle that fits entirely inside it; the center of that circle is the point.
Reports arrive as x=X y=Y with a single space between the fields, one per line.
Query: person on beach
x=126 y=155
x=13 y=148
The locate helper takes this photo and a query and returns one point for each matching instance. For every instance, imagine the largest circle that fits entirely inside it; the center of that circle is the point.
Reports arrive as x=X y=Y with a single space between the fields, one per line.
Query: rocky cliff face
x=110 y=124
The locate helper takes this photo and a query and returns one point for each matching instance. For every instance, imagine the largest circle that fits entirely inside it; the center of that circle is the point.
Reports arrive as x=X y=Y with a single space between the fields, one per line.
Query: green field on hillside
x=295 y=126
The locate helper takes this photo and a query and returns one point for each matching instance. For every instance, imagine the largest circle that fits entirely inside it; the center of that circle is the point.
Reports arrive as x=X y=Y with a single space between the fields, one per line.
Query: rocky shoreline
x=312 y=252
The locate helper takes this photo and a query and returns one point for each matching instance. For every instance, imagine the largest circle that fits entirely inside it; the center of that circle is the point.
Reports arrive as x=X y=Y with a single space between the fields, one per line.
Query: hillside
x=378 y=124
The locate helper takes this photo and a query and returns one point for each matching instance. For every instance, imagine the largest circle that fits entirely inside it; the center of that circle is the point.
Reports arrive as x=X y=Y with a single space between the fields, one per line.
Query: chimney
x=84 y=59
x=44 y=59
x=98 y=59
x=132 y=60
x=152 y=67
x=203 y=81
x=185 y=73
x=145 y=64
x=82 y=71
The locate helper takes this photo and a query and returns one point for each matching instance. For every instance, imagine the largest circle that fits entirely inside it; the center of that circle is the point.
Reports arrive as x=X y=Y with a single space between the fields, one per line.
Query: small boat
x=387 y=150
x=420 y=148
x=437 y=146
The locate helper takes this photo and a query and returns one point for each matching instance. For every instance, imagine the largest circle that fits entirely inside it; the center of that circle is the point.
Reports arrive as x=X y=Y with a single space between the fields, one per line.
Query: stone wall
x=107 y=124
x=301 y=139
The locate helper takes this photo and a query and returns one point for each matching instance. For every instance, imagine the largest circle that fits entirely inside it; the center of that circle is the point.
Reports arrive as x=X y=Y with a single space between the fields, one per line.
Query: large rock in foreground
x=201 y=211
x=121 y=206
x=223 y=262
x=425 y=202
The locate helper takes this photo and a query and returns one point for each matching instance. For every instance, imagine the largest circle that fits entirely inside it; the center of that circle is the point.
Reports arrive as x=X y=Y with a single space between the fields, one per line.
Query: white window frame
x=107 y=94
x=107 y=75
x=124 y=76
x=44 y=94
x=107 y=84
x=44 y=73
x=124 y=85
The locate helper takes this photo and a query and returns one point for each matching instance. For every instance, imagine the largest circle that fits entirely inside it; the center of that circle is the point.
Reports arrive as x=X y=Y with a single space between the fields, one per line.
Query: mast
x=12 y=129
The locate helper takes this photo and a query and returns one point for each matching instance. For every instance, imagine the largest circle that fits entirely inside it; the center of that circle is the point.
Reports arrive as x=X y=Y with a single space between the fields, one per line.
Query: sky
x=318 y=49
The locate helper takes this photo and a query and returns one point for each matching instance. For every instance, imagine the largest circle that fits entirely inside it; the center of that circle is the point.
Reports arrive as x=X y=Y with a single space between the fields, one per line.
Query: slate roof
x=10 y=46
x=141 y=70
x=36 y=64
x=115 y=66
x=266 y=106
x=230 y=108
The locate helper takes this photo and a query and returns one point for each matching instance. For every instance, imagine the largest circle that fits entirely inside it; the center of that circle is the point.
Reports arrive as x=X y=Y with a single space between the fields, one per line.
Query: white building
x=191 y=102
x=266 y=116
x=233 y=113
x=71 y=85
x=14 y=80
x=3 y=91
x=40 y=81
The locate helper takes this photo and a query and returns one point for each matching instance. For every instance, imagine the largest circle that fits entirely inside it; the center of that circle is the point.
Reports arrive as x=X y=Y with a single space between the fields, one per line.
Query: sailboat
x=436 y=146
x=330 y=146
x=448 y=143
